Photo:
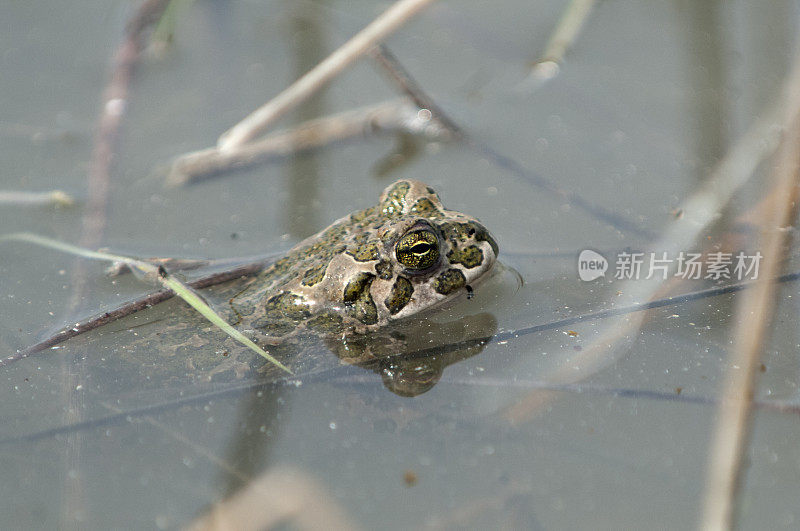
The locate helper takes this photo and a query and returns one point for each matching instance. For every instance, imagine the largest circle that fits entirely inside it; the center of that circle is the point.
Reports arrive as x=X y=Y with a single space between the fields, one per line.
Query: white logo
x=591 y=265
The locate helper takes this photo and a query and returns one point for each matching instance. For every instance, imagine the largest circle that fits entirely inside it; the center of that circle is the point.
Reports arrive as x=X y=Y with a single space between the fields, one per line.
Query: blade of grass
x=150 y=270
x=194 y=300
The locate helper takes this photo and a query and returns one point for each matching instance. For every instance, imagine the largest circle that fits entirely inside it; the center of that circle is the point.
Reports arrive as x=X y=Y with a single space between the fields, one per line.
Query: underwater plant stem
x=567 y=30
x=754 y=316
x=24 y=198
x=113 y=111
x=328 y=68
x=564 y=35
x=280 y=496
x=411 y=88
x=153 y=271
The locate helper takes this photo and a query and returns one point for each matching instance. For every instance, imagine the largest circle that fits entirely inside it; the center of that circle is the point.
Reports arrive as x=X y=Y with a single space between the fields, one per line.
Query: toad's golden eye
x=418 y=250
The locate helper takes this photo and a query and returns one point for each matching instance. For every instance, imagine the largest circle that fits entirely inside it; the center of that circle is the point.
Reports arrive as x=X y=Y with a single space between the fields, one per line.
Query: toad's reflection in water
x=417 y=358
x=167 y=350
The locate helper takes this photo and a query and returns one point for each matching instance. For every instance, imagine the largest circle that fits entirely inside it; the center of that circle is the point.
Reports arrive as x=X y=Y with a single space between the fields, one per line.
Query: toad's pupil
x=421 y=248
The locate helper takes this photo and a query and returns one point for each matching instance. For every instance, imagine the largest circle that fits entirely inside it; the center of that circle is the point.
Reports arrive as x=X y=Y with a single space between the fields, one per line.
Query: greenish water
x=650 y=97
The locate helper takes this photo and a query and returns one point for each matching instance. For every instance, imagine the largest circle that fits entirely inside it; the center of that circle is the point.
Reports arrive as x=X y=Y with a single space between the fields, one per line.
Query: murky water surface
x=650 y=97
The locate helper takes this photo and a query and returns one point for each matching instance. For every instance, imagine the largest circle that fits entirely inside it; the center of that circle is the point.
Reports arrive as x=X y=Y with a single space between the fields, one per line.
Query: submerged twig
x=22 y=198
x=412 y=89
x=398 y=115
x=567 y=30
x=754 y=312
x=154 y=272
x=300 y=90
x=277 y=497
x=114 y=105
x=562 y=39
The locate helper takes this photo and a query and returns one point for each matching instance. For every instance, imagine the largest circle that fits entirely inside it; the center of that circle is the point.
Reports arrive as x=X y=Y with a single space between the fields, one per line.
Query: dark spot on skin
x=482 y=235
x=359 y=216
x=425 y=207
x=431 y=190
x=280 y=267
x=457 y=232
x=400 y=295
x=384 y=269
x=449 y=281
x=314 y=275
x=469 y=256
x=273 y=328
x=288 y=305
x=358 y=301
x=284 y=312
x=365 y=252
x=327 y=322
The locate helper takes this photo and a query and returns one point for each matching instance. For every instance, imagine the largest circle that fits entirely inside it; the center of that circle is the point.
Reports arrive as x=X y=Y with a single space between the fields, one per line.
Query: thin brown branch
x=754 y=316
x=260 y=119
x=114 y=102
